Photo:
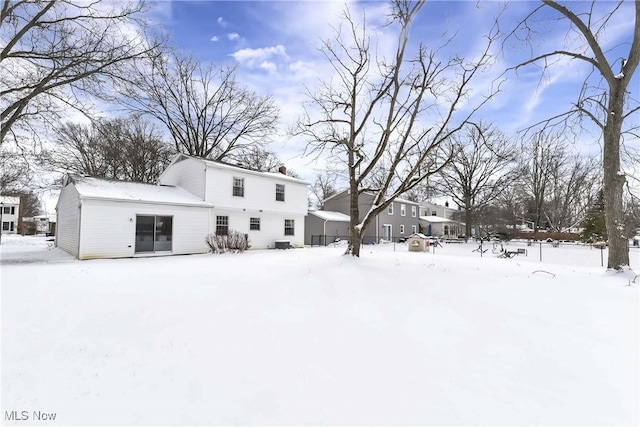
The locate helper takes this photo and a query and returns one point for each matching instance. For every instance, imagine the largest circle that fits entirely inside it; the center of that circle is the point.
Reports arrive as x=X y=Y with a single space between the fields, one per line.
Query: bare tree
x=323 y=187
x=206 y=111
x=56 y=53
x=572 y=189
x=128 y=149
x=605 y=97
x=387 y=119
x=15 y=170
x=478 y=173
x=540 y=156
x=259 y=159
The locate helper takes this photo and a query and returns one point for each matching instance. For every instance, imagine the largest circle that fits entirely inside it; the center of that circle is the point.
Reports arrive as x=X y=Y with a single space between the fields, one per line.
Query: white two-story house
x=194 y=198
x=268 y=206
x=9 y=210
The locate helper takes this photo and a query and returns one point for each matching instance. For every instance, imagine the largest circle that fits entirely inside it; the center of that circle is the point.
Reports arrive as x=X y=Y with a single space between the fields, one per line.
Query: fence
x=325 y=240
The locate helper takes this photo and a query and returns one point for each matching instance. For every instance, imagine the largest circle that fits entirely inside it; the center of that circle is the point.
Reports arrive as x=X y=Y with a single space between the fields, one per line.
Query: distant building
x=398 y=221
x=9 y=214
x=440 y=221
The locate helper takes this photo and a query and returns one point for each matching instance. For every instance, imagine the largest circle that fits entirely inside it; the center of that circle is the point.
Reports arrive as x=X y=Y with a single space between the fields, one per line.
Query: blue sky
x=275 y=47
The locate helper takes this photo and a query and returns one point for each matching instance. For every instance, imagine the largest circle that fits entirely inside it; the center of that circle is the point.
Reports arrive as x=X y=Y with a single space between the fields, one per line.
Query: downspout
x=79 y=225
x=324 y=231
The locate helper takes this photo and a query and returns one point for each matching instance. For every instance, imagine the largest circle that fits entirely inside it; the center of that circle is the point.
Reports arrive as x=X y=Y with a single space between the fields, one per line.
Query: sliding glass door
x=153 y=233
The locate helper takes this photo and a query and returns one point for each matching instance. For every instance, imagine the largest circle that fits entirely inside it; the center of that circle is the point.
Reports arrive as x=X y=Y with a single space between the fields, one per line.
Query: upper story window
x=403 y=209
x=413 y=212
x=390 y=210
x=238 y=187
x=280 y=192
x=9 y=210
x=434 y=213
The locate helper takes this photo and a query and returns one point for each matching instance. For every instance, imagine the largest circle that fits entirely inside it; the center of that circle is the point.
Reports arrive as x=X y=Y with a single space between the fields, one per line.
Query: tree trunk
x=614 y=181
x=468 y=216
x=355 y=233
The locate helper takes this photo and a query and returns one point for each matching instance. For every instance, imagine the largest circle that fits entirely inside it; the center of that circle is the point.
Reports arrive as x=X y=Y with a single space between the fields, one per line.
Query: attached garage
x=324 y=227
x=100 y=218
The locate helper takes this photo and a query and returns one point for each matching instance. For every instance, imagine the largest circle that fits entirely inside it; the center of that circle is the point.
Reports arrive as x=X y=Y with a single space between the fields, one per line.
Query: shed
x=418 y=242
x=100 y=218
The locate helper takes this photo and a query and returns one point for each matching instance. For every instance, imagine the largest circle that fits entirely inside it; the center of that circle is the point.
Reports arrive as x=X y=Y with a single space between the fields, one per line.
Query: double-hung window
x=280 y=192
x=413 y=211
x=390 y=211
x=222 y=225
x=238 y=187
x=289 y=227
x=254 y=224
x=403 y=209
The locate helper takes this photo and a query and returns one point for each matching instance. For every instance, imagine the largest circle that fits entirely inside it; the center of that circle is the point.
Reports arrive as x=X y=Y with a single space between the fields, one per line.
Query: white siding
x=259 y=192
x=271 y=227
x=188 y=174
x=108 y=228
x=68 y=214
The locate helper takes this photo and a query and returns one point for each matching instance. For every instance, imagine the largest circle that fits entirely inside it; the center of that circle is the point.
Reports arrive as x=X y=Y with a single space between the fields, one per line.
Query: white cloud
x=252 y=56
x=269 y=66
x=233 y=36
x=215 y=38
x=222 y=22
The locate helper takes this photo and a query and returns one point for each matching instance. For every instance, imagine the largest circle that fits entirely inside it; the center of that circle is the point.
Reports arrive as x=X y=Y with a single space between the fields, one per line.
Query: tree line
x=392 y=125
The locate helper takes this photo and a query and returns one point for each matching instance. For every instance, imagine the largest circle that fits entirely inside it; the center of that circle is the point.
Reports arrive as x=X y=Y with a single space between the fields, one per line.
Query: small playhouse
x=418 y=242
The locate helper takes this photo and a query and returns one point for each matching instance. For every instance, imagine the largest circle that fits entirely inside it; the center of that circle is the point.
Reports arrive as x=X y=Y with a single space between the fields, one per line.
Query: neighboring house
x=9 y=211
x=324 y=227
x=441 y=221
x=398 y=221
x=39 y=224
x=99 y=218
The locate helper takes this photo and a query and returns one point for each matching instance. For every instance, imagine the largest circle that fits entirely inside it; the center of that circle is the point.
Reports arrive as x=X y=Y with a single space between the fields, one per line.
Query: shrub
x=232 y=242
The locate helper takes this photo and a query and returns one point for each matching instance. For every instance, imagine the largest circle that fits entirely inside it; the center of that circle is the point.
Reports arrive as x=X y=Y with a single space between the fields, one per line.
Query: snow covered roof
x=95 y=188
x=435 y=219
x=223 y=165
x=331 y=216
x=7 y=200
x=420 y=235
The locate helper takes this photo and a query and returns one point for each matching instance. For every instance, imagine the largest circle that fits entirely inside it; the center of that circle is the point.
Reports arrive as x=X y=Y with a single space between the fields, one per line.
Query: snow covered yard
x=308 y=336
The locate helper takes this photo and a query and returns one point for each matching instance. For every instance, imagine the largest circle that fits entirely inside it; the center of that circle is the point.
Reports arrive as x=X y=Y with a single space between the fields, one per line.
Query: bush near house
x=232 y=242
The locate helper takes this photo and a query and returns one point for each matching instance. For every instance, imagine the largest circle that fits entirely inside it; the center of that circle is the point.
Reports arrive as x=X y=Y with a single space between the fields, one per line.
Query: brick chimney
x=282 y=169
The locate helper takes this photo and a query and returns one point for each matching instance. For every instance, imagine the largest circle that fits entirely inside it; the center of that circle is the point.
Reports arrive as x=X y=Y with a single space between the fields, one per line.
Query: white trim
x=401 y=228
x=403 y=209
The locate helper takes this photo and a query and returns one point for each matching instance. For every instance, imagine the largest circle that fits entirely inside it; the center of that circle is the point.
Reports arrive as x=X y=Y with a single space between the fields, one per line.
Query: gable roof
x=331 y=216
x=224 y=165
x=96 y=188
x=346 y=191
